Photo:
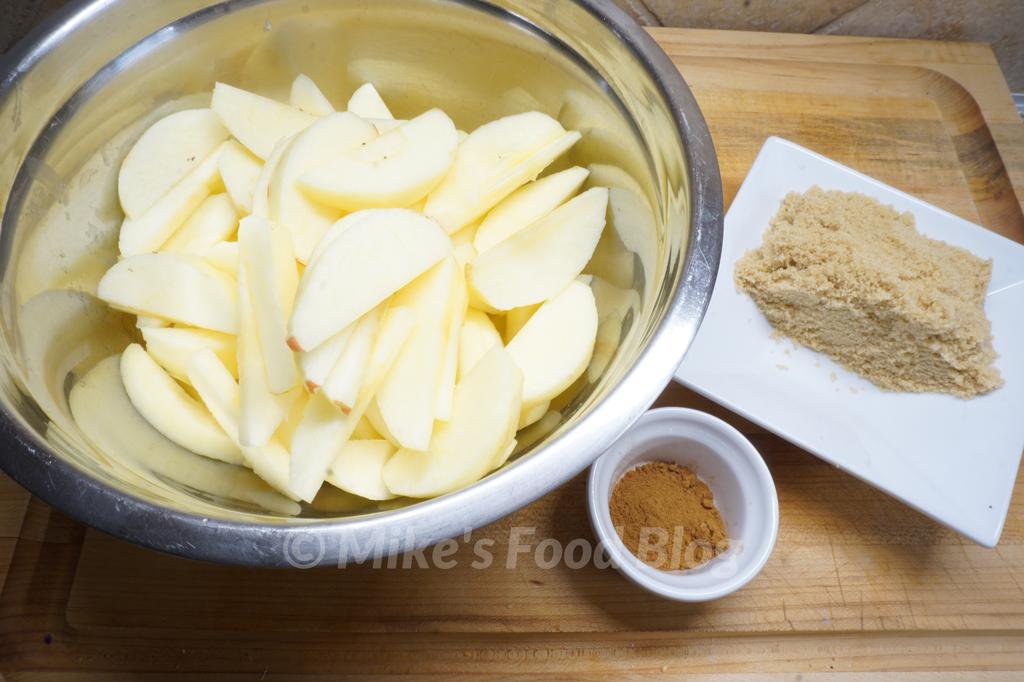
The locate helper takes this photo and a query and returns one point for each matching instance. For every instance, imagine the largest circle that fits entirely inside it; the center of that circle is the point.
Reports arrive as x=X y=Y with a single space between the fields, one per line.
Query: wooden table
x=857 y=583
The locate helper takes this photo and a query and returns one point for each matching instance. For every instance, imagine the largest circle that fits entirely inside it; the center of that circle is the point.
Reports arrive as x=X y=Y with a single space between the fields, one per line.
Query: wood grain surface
x=858 y=583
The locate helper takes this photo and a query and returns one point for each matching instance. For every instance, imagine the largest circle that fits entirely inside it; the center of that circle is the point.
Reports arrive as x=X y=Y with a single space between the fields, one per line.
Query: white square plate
x=955 y=460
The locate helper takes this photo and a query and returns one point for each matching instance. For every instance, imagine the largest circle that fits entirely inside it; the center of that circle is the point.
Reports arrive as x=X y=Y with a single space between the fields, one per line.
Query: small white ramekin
x=742 y=485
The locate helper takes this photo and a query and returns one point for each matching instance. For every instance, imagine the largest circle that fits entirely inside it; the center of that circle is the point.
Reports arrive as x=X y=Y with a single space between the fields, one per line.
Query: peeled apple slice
x=342 y=385
x=555 y=346
x=537 y=263
x=358 y=466
x=493 y=162
x=305 y=219
x=266 y=253
x=516 y=318
x=213 y=222
x=218 y=390
x=367 y=103
x=531 y=415
x=170 y=410
x=378 y=253
x=485 y=412
x=306 y=96
x=396 y=169
x=408 y=398
x=224 y=257
x=456 y=315
x=257 y=122
x=178 y=287
x=324 y=428
x=478 y=335
x=316 y=364
x=151 y=229
x=172 y=347
x=261 y=190
x=145 y=322
x=239 y=169
x=527 y=205
x=168 y=151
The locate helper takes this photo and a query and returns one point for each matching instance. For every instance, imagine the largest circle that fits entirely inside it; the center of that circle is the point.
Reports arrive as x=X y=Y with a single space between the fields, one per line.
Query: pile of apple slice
x=319 y=293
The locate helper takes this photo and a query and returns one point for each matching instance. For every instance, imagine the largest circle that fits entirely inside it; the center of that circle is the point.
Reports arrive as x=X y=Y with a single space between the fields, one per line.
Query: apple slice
x=170 y=410
x=240 y=170
x=222 y=397
x=261 y=190
x=269 y=264
x=306 y=96
x=305 y=219
x=345 y=378
x=493 y=162
x=478 y=335
x=396 y=169
x=456 y=315
x=224 y=257
x=516 y=318
x=146 y=322
x=484 y=417
x=541 y=260
x=376 y=421
x=178 y=287
x=316 y=364
x=555 y=346
x=358 y=466
x=151 y=229
x=169 y=150
x=213 y=222
x=261 y=410
x=375 y=254
x=408 y=398
x=364 y=429
x=172 y=347
x=324 y=428
x=614 y=304
x=532 y=415
x=257 y=122
x=384 y=125
x=366 y=102
x=505 y=454
x=527 y=205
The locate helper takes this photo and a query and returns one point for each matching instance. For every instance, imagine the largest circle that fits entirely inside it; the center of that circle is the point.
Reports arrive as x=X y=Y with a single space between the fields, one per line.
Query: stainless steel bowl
x=80 y=89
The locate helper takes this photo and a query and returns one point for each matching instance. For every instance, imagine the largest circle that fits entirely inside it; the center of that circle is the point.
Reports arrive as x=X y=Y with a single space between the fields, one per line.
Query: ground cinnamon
x=667 y=516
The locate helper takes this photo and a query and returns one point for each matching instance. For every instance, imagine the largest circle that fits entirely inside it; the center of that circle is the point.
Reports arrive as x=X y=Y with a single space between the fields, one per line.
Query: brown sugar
x=852 y=278
x=666 y=516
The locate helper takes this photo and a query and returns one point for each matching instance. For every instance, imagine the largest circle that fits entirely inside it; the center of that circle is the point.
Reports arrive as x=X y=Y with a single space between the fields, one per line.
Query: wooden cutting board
x=857 y=583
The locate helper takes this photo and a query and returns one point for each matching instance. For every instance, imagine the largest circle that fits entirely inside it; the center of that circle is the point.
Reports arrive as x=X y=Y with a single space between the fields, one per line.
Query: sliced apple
x=257 y=122
x=222 y=397
x=614 y=304
x=316 y=364
x=213 y=222
x=170 y=410
x=462 y=244
x=366 y=102
x=224 y=257
x=541 y=260
x=493 y=162
x=408 y=397
x=478 y=335
x=261 y=410
x=456 y=315
x=396 y=169
x=306 y=96
x=376 y=422
x=516 y=318
x=151 y=229
x=305 y=219
x=266 y=253
x=533 y=414
x=169 y=150
x=358 y=466
x=261 y=190
x=377 y=253
x=364 y=429
x=240 y=170
x=484 y=417
x=555 y=346
x=324 y=428
x=527 y=205
x=345 y=378
x=178 y=287
x=146 y=322
x=172 y=347
x=384 y=125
